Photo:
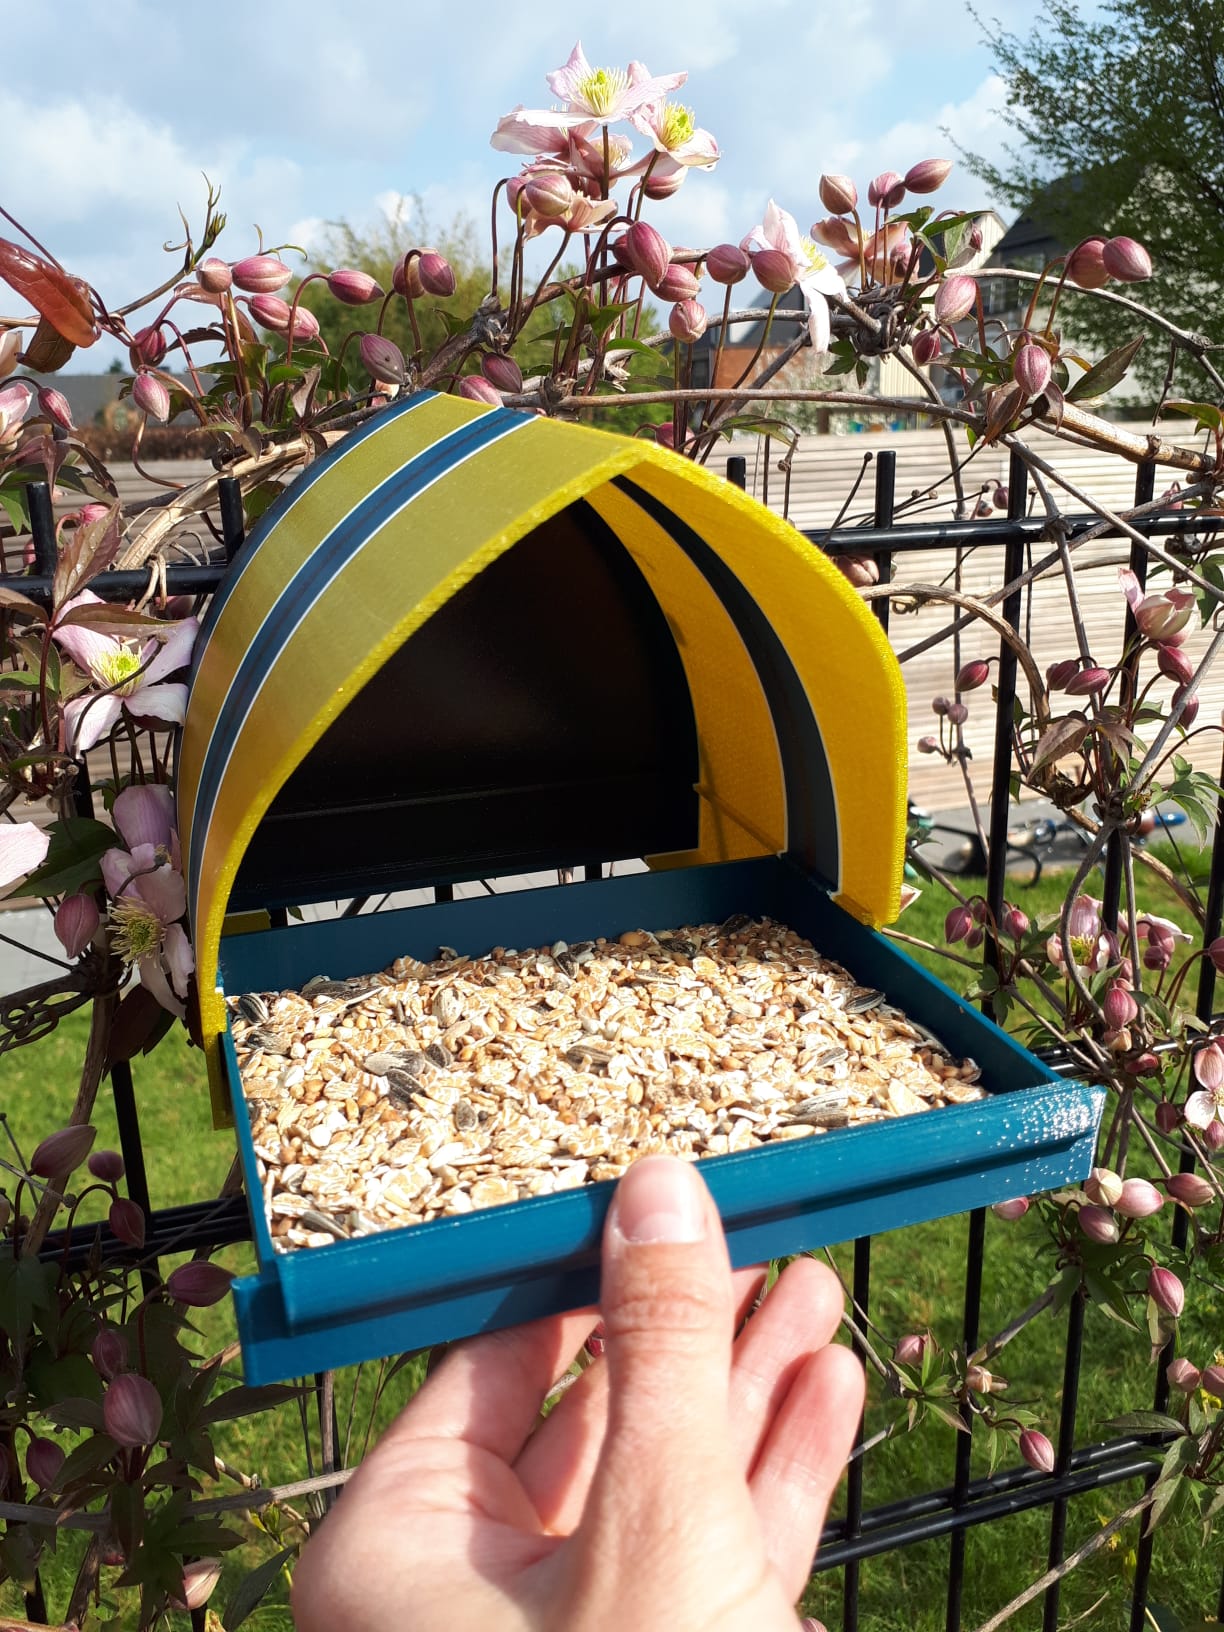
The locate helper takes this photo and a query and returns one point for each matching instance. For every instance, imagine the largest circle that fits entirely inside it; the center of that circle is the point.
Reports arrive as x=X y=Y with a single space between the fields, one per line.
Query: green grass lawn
x=916 y=1283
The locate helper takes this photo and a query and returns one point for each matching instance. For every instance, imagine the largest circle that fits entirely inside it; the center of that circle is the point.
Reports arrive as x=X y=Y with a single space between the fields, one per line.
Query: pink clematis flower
x=524 y=131
x=134 y=675
x=23 y=847
x=148 y=895
x=811 y=269
x=675 y=133
x=1092 y=946
x=1161 y=618
x=606 y=94
x=14 y=400
x=1165 y=928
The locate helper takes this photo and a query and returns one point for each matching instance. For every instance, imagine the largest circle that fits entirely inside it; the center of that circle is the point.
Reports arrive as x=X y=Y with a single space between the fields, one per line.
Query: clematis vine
x=810 y=268
x=148 y=896
x=134 y=676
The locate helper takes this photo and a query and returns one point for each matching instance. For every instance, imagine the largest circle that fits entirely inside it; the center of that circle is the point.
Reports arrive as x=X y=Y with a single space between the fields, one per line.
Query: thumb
x=668 y=1312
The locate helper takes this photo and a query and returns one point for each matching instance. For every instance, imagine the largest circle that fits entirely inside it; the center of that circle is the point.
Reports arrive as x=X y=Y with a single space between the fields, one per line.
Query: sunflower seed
x=438 y=1054
x=253 y=1008
x=861 y=1002
x=312 y=1219
x=465 y=1116
x=447 y=1007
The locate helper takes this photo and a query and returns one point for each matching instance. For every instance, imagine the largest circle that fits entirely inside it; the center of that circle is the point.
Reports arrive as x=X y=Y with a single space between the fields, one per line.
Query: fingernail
x=660 y=1199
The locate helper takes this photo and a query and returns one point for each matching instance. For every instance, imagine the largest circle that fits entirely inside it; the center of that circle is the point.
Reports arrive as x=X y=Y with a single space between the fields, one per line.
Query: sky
x=312 y=113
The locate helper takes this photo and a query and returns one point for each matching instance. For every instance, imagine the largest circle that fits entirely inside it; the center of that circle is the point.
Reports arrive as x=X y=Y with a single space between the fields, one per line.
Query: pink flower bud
x=109 y=1353
x=1157 y=956
x=939 y=705
x=260 y=274
x=597 y=1343
x=957 y=924
x=1182 y=1375
x=957 y=713
x=927 y=176
x=1189 y=705
x=54 y=404
x=199 y=1579
x=838 y=194
x=687 y=320
x=982 y=1381
x=1208 y=1067
x=382 y=359
x=1139 y=1199
x=271 y=312
x=148 y=347
x=1215 y=952
x=663 y=183
x=1059 y=675
x=406 y=276
x=911 y=1348
x=44 y=1459
x=150 y=395
x=861 y=570
x=727 y=263
x=834 y=233
x=975 y=937
x=1088 y=681
x=1000 y=498
x=503 y=372
x=1174 y=663
x=353 y=287
x=62 y=1152
x=974 y=674
x=215 y=276
x=677 y=283
x=1167 y=1116
x=955 y=298
x=1103 y=1186
x=927 y=745
x=1212 y=1135
x=1031 y=368
x=1119 y=1007
x=887 y=189
x=1086 y=264
x=131 y=1410
x=1213 y=1381
x=1015 y=923
x=76 y=923
x=1191 y=1189
x=1098 y=1225
x=548 y=194
x=1145 y=1065
x=1126 y=260
x=644 y=250
x=1013 y=1208
x=927 y=346
x=437 y=274
x=665 y=434
x=774 y=270
x=106 y=1165
x=809 y=1623
x=127 y=1222
x=477 y=389
x=1166 y=1291
x=1037 y=1450
x=198 y=1284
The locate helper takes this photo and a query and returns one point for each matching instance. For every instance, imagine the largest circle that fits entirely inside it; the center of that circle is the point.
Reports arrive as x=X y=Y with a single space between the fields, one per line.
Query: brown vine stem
x=954 y=464
x=923 y=593
x=1014 y=1328
x=1075 y=1559
x=1152 y=863
x=87 y=1575
x=92 y=1069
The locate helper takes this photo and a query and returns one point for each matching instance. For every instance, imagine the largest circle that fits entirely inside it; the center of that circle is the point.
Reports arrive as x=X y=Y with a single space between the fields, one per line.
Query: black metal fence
x=951 y=1509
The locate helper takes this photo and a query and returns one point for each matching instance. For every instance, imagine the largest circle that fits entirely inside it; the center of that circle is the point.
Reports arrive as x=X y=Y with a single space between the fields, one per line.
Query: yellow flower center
x=676 y=126
x=119 y=670
x=136 y=930
x=603 y=88
x=816 y=259
x=1083 y=948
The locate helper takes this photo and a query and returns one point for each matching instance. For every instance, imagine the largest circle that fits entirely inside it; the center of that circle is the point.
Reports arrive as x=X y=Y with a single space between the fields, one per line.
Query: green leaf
x=245 y=1402
x=21 y=603
x=77 y=844
x=86 y=1458
x=25 y=1285
x=253 y=1588
x=1111 y=369
x=76 y=1413
x=1146 y=1422
x=1208 y=415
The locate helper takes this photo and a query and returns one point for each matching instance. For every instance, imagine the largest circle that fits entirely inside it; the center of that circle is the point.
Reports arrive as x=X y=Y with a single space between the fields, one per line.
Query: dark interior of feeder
x=540 y=719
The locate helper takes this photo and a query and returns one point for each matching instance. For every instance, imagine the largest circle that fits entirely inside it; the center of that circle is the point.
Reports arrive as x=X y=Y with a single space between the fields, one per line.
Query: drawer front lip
x=1032 y=1131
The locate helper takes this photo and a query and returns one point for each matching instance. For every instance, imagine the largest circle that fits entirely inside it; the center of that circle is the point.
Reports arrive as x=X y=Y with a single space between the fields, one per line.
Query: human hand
x=679 y=1486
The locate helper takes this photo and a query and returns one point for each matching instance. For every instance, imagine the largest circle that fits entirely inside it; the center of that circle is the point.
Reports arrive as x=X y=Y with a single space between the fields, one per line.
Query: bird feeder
x=469 y=643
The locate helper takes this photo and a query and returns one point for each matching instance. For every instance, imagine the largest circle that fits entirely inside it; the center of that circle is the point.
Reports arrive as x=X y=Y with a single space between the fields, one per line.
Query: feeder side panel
x=743 y=807
x=294 y=530
x=843 y=658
